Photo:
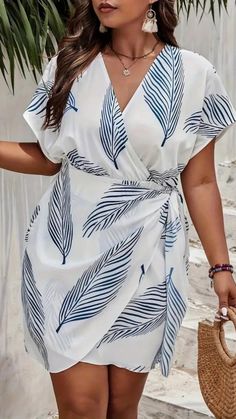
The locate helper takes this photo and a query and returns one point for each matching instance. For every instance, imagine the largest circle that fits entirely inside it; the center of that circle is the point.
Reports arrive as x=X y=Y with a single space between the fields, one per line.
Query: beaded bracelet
x=219 y=268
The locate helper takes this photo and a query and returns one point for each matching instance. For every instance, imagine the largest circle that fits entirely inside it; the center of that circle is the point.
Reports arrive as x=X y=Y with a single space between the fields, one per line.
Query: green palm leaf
x=201 y=6
x=31 y=29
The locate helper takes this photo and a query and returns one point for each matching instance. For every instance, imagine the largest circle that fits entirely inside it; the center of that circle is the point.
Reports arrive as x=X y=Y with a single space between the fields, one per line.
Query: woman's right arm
x=26 y=158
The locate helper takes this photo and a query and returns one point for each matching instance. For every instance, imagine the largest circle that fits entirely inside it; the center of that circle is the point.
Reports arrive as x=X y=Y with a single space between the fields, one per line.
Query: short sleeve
x=217 y=114
x=35 y=113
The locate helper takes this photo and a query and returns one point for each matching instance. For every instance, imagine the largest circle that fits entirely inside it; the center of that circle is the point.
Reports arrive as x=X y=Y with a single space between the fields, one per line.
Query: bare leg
x=81 y=391
x=125 y=391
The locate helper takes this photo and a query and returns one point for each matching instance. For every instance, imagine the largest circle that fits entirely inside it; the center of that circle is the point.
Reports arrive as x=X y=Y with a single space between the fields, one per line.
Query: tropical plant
x=31 y=29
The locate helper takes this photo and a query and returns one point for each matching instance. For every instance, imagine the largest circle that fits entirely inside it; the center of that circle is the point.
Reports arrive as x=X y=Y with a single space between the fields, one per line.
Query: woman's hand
x=225 y=289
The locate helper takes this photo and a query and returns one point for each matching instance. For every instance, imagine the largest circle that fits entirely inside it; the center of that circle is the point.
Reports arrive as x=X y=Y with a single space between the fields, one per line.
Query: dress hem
x=74 y=362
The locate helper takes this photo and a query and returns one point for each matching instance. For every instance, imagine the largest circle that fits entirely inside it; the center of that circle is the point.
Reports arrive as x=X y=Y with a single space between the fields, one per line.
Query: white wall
x=217 y=42
x=25 y=388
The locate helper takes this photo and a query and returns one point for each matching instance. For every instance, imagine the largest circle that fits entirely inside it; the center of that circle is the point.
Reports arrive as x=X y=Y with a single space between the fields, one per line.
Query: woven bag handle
x=228 y=357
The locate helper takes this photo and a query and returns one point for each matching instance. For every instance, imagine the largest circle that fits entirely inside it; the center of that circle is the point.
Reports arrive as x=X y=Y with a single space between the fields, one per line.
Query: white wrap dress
x=104 y=269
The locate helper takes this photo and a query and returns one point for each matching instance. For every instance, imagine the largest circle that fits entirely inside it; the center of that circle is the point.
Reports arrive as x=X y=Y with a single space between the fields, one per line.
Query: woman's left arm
x=203 y=200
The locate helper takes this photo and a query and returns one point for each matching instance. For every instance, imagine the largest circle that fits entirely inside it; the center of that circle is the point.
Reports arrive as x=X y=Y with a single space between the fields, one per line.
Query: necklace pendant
x=126 y=72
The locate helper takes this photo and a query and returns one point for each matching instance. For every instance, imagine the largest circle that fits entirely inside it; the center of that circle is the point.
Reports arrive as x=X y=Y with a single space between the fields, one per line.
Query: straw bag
x=216 y=367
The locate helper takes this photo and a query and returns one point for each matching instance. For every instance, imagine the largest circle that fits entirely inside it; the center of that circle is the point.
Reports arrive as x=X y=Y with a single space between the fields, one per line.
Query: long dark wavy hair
x=83 y=42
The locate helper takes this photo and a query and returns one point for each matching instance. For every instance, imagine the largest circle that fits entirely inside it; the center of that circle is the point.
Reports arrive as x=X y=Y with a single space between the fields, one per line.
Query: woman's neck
x=132 y=41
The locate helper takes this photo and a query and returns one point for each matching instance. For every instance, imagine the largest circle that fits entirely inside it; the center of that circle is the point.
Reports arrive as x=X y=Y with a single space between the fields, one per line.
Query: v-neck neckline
x=140 y=85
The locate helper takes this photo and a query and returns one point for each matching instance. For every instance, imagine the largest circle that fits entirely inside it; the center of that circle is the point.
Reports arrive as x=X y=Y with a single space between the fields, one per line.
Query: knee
x=85 y=407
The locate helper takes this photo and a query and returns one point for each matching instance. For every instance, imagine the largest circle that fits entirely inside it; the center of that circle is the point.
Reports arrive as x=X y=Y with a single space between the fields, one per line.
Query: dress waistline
x=78 y=175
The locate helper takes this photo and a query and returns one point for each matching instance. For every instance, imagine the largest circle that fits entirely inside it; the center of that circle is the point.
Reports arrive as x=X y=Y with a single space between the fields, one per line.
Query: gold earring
x=150 y=21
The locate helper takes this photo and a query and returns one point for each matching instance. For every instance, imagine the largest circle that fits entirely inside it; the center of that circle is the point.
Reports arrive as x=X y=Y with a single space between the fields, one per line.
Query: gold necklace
x=126 y=70
x=134 y=57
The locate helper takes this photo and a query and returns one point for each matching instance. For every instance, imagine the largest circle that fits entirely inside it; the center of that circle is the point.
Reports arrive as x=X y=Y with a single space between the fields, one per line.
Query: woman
x=104 y=278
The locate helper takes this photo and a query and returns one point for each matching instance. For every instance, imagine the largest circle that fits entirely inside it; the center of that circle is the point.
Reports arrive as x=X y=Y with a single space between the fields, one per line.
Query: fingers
x=221 y=314
x=227 y=298
x=232 y=301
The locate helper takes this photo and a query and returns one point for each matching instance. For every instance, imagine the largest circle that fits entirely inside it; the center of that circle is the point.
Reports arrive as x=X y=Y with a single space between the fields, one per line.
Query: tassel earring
x=150 y=21
x=102 y=28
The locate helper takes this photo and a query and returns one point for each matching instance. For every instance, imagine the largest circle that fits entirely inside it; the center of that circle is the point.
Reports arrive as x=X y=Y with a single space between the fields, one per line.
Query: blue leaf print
x=40 y=97
x=164 y=213
x=216 y=114
x=164 y=89
x=176 y=309
x=192 y=123
x=112 y=129
x=70 y=104
x=60 y=224
x=138 y=369
x=82 y=163
x=186 y=223
x=116 y=202
x=100 y=283
x=33 y=308
x=128 y=182
x=32 y=220
x=168 y=177
x=142 y=315
x=142 y=272
x=170 y=233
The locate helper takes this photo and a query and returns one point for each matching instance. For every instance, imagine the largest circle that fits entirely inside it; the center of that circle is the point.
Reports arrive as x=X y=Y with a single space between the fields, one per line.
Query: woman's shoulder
x=196 y=60
x=50 y=69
